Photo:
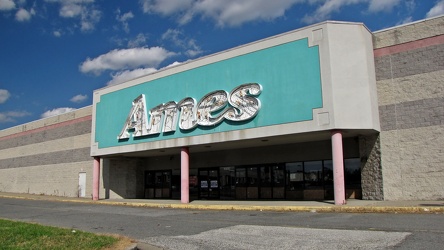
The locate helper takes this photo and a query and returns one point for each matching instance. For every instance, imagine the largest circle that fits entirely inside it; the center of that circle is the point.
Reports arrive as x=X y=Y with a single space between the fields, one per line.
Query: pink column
x=185 y=175
x=338 y=167
x=96 y=178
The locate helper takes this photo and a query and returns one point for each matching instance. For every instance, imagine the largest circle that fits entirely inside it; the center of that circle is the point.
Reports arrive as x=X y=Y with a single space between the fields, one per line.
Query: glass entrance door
x=158 y=184
x=227 y=183
x=209 y=186
x=252 y=183
x=278 y=173
x=272 y=182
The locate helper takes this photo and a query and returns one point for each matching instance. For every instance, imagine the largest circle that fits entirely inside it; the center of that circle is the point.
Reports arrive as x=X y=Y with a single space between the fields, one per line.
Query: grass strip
x=21 y=235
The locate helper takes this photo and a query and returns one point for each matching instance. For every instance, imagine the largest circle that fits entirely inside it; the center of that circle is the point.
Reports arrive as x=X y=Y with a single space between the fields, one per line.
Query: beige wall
x=46 y=156
x=410 y=82
x=54 y=179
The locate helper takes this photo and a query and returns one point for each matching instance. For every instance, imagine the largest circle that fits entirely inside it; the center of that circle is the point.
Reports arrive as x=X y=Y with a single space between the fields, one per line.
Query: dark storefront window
x=194 y=184
x=309 y=180
x=241 y=180
x=260 y=182
x=265 y=176
x=253 y=183
x=314 y=185
x=352 y=176
x=313 y=180
x=328 y=180
x=241 y=183
x=278 y=182
x=295 y=176
x=295 y=180
x=352 y=172
x=175 y=184
x=313 y=174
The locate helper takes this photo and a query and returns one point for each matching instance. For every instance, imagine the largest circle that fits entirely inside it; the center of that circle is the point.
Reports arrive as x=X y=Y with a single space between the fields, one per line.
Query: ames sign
x=240 y=104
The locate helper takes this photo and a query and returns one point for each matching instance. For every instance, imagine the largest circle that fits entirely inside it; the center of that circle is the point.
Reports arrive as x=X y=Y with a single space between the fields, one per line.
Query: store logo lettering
x=240 y=104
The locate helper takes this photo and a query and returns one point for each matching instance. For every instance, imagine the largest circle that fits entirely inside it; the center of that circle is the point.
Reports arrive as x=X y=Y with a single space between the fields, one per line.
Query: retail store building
x=329 y=111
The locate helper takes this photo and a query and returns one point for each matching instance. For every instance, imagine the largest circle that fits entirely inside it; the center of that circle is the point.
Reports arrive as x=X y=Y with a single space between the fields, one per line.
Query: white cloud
x=165 y=7
x=123 y=76
x=326 y=8
x=67 y=2
x=79 y=98
x=324 y=11
x=70 y=1
x=127 y=75
x=57 y=111
x=382 y=5
x=124 y=19
x=228 y=12
x=83 y=10
x=174 y=64
x=23 y=15
x=437 y=10
x=89 y=19
x=126 y=59
x=408 y=19
x=171 y=34
x=4 y=95
x=6 y=5
x=410 y=5
x=193 y=49
x=139 y=41
x=178 y=39
x=233 y=12
x=11 y=115
x=57 y=33
x=70 y=10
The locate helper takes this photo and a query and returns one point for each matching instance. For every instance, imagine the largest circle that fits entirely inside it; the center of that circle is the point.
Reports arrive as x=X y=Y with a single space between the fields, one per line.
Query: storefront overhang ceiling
x=260 y=142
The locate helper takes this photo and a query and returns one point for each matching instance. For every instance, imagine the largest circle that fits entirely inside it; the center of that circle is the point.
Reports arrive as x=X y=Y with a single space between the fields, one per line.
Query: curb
x=312 y=209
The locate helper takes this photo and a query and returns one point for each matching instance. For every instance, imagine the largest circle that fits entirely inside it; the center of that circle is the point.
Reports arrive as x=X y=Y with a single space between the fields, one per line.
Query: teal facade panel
x=288 y=73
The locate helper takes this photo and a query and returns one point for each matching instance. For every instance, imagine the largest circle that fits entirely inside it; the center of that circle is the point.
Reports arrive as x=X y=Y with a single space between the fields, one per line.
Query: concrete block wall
x=122 y=178
x=46 y=156
x=371 y=169
x=409 y=63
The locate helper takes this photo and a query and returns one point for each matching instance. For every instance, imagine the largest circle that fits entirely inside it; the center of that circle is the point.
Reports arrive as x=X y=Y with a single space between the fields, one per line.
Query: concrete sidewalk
x=352 y=206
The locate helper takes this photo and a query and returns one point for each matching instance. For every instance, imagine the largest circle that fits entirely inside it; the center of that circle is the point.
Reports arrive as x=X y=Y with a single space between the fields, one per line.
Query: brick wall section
x=412 y=163
x=47 y=123
x=64 y=156
x=410 y=77
x=55 y=179
x=78 y=128
x=46 y=156
x=76 y=142
x=413 y=114
x=413 y=62
x=410 y=32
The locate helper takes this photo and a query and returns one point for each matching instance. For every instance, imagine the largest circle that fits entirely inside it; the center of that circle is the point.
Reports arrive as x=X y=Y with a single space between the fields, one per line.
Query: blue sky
x=55 y=53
